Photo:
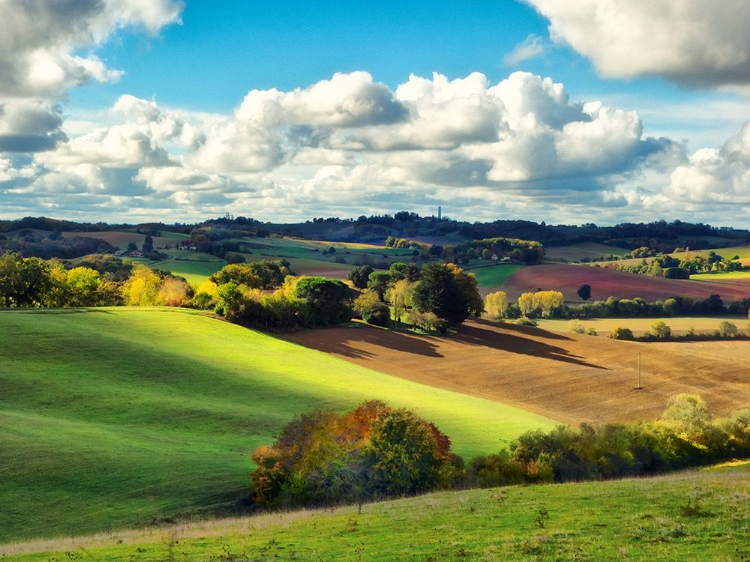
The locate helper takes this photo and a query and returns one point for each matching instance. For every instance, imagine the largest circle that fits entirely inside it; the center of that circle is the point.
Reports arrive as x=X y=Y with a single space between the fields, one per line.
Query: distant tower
x=440 y=212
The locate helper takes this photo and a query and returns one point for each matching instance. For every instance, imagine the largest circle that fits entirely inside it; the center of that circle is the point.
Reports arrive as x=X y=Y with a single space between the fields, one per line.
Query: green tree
x=622 y=334
x=326 y=300
x=360 y=275
x=372 y=310
x=727 y=329
x=438 y=292
x=688 y=413
x=407 y=459
x=378 y=281
x=148 y=244
x=23 y=281
x=584 y=291
x=660 y=330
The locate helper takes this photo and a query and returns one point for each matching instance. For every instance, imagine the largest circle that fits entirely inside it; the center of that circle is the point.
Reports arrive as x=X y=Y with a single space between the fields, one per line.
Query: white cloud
x=529 y=48
x=695 y=42
x=39 y=40
x=715 y=175
x=520 y=146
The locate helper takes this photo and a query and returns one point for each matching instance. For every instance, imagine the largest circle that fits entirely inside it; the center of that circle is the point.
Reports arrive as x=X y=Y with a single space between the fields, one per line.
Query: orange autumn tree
x=374 y=451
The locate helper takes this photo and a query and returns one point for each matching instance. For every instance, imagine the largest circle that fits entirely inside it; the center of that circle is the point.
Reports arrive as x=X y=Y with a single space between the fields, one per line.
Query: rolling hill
x=116 y=417
x=609 y=282
x=569 y=377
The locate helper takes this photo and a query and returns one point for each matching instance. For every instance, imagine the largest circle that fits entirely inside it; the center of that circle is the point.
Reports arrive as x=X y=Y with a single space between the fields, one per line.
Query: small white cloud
x=529 y=48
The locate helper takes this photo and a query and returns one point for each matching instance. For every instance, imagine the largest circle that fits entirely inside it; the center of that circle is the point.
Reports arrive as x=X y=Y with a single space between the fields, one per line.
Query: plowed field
x=571 y=378
x=608 y=282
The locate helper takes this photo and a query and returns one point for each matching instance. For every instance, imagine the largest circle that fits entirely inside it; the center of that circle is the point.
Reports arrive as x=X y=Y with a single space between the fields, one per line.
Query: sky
x=602 y=111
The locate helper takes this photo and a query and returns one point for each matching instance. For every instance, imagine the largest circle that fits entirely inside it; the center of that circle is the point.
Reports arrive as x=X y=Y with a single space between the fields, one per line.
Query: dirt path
x=568 y=377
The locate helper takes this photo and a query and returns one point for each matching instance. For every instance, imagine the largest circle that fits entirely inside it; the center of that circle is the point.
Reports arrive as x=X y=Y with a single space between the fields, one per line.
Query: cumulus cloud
x=715 y=175
x=40 y=37
x=359 y=144
x=40 y=59
x=693 y=42
x=529 y=48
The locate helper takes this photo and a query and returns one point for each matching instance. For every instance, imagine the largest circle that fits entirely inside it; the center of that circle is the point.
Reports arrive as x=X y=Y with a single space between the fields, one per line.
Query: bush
x=727 y=330
x=660 y=330
x=622 y=334
x=322 y=458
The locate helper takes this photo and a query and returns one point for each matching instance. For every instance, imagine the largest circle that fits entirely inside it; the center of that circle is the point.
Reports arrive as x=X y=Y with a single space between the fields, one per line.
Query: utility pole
x=638 y=387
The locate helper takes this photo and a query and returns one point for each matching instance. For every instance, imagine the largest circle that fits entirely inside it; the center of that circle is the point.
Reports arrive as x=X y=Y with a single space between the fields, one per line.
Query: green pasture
x=722 y=276
x=195 y=267
x=577 y=252
x=639 y=326
x=117 y=417
x=492 y=275
x=697 y=515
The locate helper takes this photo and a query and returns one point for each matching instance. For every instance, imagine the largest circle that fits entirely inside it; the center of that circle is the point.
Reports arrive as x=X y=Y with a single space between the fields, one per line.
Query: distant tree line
x=375 y=452
x=550 y=304
x=661 y=265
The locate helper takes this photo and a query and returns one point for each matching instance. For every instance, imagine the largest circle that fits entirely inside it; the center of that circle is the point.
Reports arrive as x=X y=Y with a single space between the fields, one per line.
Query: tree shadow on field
x=389 y=340
x=479 y=336
x=539 y=332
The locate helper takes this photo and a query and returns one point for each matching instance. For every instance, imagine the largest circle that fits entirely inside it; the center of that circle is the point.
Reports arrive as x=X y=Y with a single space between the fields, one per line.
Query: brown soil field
x=609 y=282
x=570 y=378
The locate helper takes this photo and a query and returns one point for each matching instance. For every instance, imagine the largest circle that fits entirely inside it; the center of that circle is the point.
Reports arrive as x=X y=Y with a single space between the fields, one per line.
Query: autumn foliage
x=372 y=452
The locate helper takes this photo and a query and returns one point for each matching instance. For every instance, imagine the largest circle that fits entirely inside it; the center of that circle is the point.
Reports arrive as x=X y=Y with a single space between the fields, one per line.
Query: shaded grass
x=121 y=416
x=645 y=519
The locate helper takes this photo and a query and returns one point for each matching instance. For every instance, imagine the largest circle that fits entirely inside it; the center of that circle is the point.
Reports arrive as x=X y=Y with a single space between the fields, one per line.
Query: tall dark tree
x=584 y=291
x=360 y=275
x=438 y=291
x=327 y=300
x=148 y=244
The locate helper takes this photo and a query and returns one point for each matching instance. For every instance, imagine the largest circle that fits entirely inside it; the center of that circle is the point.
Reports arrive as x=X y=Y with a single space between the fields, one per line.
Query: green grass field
x=120 y=416
x=195 y=267
x=604 y=326
x=723 y=276
x=492 y=275
x=698 y=515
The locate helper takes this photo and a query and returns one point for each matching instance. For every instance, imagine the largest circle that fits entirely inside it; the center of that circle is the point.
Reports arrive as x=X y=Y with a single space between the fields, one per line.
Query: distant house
x=494 y=257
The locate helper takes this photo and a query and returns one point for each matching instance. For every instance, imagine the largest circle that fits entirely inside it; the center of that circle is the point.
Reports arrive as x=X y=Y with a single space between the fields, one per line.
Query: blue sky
x=611 y=111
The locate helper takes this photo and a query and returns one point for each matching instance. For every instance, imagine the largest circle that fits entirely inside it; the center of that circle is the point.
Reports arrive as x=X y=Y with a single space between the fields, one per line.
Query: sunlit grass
x=644 y=519
x=119 y=416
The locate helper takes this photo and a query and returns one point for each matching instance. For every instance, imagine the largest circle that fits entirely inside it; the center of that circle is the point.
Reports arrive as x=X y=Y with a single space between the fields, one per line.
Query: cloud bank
x=699 y=43
x=350 y=145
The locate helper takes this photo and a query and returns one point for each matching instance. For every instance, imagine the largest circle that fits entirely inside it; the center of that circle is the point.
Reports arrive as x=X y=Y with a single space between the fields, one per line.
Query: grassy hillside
x=492 y=276
x=689 y=516
x=114 y=417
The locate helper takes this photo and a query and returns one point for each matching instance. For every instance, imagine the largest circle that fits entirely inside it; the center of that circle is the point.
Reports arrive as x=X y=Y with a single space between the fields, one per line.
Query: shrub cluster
x=369 y=453
x=374 y=452
x=684 y=437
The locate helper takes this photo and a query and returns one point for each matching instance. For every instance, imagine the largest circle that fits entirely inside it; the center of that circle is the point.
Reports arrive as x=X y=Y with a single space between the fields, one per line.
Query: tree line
x=375 y=452
x=550 y=304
